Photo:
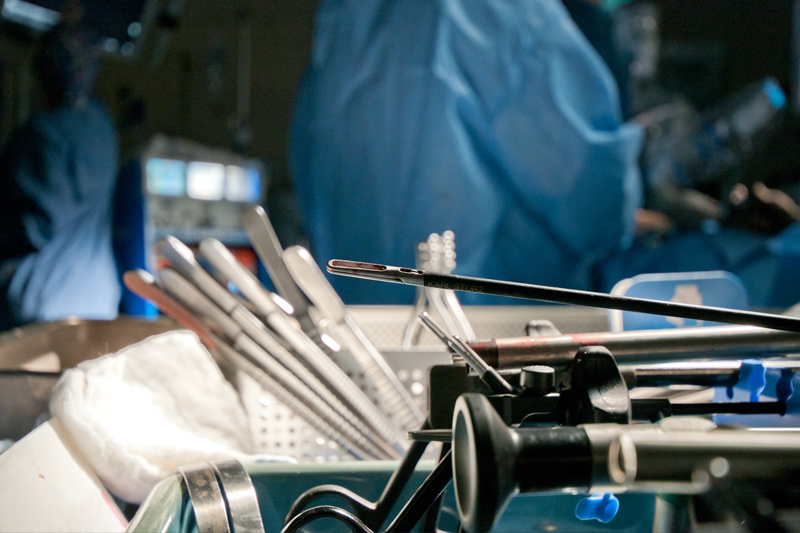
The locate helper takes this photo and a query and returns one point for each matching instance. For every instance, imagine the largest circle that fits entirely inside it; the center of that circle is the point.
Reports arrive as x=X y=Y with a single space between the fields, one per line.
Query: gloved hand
x=761 y=209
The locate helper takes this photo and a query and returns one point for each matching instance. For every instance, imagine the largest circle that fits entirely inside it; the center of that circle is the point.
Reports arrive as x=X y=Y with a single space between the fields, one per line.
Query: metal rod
x=182 y=259
x=671 y=462
x=431 y=435
x=487 y=374
x=734 y=408
x=268 y=248
x=310 y=278
x=661 y=376
x=703 y=373
x=717 y=342
x=526 y=291
x=197 y=303
x=315 y=359
x=655 y=409
x=143 y=284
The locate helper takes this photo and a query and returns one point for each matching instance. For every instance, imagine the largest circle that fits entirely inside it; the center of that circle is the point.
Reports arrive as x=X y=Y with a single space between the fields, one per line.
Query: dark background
x=183 y=78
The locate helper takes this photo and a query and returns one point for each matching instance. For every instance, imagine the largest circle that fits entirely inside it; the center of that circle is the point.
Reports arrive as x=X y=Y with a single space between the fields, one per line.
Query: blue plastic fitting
x=752 y=377
x=602 y=507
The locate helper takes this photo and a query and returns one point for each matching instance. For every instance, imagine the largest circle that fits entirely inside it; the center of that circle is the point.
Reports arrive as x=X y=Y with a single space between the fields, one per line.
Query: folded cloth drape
x=141 y=413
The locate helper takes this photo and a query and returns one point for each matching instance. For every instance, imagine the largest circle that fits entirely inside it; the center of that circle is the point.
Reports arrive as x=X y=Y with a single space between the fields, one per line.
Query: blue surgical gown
x=58 y=174
x=494 y=119
x=497 y=120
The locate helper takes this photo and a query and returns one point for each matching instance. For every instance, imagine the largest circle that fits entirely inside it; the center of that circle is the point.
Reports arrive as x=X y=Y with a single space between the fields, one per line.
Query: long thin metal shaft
x=315 y=359
x=394 y=394
x=670 y=462
x=269 y=250
x=197 y=303
x=183 y=260
x=488 y=374
x=699 y=373
x=681 y=344
x=143 y=284
x=410 y=276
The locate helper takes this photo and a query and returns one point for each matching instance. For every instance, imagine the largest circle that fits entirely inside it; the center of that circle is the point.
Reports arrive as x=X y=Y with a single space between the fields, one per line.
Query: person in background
x=58 y=173
x=498 y=120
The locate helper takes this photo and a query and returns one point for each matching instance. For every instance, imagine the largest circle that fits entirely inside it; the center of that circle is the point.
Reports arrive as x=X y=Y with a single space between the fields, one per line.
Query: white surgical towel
x=143 y=412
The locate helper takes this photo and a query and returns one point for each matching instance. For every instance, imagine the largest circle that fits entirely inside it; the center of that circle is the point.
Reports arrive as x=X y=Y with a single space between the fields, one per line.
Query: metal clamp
x=238 y=490
x=222 y=495
x=207 y=500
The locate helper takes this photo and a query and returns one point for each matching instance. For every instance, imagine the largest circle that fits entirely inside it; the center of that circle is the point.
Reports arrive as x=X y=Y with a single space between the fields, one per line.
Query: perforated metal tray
x=278 y=431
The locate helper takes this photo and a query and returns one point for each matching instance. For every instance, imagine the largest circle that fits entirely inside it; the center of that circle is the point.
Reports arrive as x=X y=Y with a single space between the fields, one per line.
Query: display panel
x=166 y=177
x=205 y=181
x=242 y=184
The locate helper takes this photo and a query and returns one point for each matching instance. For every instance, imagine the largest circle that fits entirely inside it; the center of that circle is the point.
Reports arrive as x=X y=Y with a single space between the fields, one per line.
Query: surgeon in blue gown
x=495 y=119
x=57 y=174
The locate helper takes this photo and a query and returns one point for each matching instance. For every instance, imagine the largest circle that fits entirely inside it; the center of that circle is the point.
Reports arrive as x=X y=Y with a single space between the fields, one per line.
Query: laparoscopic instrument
x=411 y=276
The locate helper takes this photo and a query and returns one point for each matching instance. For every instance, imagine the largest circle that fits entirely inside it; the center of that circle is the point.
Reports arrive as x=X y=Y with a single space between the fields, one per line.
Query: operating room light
x=37 y=17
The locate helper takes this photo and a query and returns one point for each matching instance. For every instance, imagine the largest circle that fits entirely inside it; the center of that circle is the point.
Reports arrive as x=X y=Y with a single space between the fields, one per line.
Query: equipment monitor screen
x=242 y=184
x=205 y=181
x=166 y=177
